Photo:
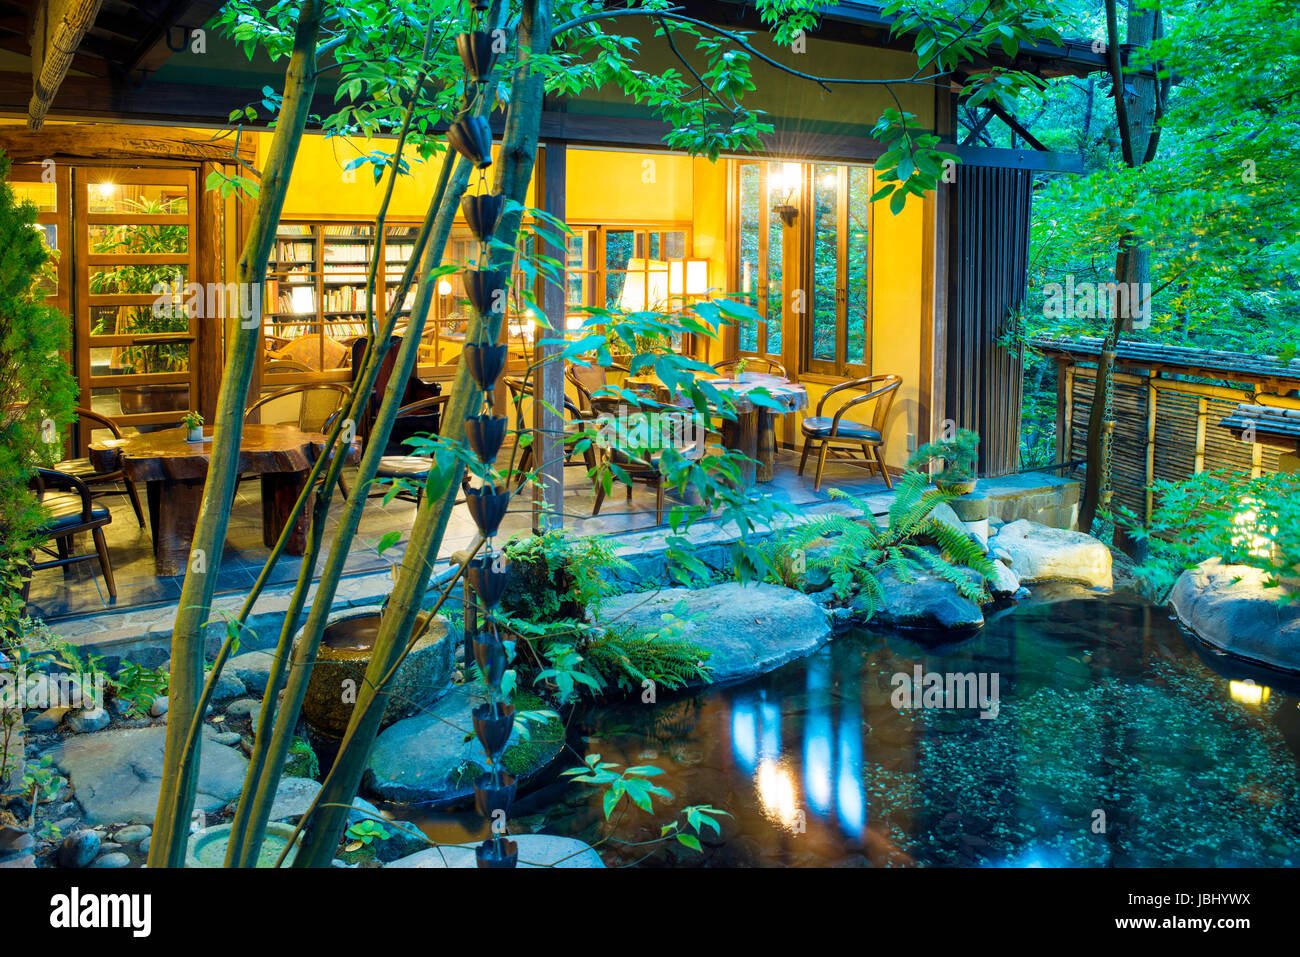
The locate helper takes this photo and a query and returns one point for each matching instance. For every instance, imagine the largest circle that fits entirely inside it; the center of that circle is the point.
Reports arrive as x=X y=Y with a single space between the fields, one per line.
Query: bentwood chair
x=68 y=502
x=407 y=467
x=89 y=475
x=574 y=422
x=318 y=403
x=824 y=431
x=592 y=380
x=761 y=363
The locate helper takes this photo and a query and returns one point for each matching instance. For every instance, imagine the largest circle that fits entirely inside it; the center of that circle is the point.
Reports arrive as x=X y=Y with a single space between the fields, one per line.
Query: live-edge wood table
x=175 y=470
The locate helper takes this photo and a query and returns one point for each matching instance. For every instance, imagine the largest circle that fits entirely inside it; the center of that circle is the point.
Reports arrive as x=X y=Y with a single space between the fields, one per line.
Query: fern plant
x=862 y=550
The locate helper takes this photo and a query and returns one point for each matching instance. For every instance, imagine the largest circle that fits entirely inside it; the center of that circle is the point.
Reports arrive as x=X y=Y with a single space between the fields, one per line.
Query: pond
x=1115 y=740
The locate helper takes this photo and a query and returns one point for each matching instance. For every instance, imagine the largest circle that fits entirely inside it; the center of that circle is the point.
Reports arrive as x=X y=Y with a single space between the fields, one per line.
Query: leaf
x=390 y=539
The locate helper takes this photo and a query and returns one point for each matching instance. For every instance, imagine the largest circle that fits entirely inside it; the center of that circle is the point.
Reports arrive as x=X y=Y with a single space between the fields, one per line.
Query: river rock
x=114 y=860
x=426 y=758
x=47 y=720
x=1004 y=583
x=133 y=833
x=228 y=738
x=159 y=706
x=117 y=774
x=228 y=686
x=242 y=707
x=79 y=848
x=747 y=629
x=535 y=850
x=1041 y=553
x=253 y=668
x=83 y=722
x=1229 y=607
x=292 y=798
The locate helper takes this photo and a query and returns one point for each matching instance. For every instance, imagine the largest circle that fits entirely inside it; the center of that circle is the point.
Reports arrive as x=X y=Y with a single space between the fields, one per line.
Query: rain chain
x=494 y=719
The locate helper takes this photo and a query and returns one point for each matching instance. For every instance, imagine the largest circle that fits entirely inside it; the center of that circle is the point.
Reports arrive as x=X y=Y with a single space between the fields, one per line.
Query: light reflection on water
x=1105 y=708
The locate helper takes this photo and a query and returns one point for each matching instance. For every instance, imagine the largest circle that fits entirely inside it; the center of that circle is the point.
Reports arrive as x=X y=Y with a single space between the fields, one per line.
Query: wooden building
x=128 y=140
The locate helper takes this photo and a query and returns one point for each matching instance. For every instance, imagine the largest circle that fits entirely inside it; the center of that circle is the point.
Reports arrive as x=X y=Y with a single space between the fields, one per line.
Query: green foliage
x=37 y=391
x=367 y=832
x=557 y=576
x=959 y=454
x=1240 y=520
x=860 y=550
x=302 y=761
x=628 y=657
x=139 y=685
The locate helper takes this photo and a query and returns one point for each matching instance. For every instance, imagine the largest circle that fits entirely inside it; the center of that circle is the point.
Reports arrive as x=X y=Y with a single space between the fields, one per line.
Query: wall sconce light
x=783 y=183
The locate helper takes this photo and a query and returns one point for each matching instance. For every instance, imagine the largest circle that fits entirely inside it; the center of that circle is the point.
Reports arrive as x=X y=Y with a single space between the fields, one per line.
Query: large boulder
x=1229 y=607
x=747 y=629
x=535 y=850
x=117 y=775
x=434 y=757
x=1041 y=553
x=925 y=603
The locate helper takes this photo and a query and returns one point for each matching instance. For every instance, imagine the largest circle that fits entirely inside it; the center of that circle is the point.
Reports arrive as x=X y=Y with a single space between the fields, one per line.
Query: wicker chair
x=71 y=510
x=89 y=475
x=825 y=431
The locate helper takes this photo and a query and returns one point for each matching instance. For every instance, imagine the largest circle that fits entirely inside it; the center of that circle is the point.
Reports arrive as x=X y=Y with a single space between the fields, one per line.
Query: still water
x=1117 y=741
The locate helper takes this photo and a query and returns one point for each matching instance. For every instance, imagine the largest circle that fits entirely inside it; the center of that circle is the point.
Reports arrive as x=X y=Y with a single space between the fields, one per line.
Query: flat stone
x=970 y=508
x=229 y=738
x=79 y=848
x=114 y=860
x=228 y=686
x=535 y=850
x=1040 y=553
x=424 y=758
x=244 y=706
x=292 y=798
x=85 y=722
x=133 y=833
x=117 y=774
x=747 y=629
x=253 y=668
x=1229 y=607
x=14 y=839
x=1004 y=582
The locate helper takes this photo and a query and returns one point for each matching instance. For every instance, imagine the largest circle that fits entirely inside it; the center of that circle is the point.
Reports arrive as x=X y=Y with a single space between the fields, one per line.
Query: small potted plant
x=194 y=427
x=742 y=375
x=959 y=454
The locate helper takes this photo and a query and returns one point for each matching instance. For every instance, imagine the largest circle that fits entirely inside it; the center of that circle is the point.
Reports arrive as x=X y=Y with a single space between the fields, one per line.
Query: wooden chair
x=521 y=389
x=71 y=510
x=320 y=403
x=89 y=475
x=770 y=366
x=591 y=380
x=414 y=468
x=837 y=430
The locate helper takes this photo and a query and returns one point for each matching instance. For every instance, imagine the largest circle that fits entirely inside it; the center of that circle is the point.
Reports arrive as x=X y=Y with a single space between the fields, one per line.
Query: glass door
x=838 y=340
x=760 y=279
x=137 y=296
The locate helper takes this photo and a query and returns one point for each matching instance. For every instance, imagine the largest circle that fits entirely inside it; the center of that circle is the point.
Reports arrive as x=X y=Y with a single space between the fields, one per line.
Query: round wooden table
x=753 y=432
x=175 y=471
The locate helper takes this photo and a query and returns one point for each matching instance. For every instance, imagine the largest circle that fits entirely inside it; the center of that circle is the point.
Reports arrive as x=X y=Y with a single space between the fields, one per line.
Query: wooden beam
x=548 y=382
x=58 y=27
x=100 y=141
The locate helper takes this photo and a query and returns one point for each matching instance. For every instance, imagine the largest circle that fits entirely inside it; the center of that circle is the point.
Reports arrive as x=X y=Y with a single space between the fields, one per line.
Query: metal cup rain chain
x=494 y=719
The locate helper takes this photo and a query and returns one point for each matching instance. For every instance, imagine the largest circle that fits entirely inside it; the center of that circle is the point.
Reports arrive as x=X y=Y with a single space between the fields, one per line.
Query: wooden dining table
x=753 y=431
x=175 y=471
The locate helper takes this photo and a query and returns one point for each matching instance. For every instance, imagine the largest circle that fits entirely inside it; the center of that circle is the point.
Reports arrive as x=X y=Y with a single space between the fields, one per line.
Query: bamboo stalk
x=180 y=768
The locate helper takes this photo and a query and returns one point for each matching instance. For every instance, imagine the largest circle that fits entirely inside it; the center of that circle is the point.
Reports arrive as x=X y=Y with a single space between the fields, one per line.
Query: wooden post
x=1202 y=408
x=1152 y=401
x=548 y=388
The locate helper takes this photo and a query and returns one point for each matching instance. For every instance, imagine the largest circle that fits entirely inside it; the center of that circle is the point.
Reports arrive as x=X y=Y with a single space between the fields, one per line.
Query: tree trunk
x=180 y=769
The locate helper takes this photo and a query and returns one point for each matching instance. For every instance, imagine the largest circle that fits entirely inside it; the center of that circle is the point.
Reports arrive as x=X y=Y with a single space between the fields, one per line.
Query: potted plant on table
x=193 y=426
x=742 y=373
x=960 y=454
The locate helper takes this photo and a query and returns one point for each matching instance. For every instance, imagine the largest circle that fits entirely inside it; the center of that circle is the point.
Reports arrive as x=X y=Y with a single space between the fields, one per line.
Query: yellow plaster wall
x=605 y=186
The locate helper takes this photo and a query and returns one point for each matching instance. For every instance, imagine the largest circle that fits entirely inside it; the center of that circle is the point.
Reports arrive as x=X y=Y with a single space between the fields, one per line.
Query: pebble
x=243 y=706
x=85 y=722
x=228 y=738
x=109 y=847
x=159 y=706
x=114 y=860
x=133 y=833
x=47 y=720
x=66 y=825
x=144 y=845
x=79 y=849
